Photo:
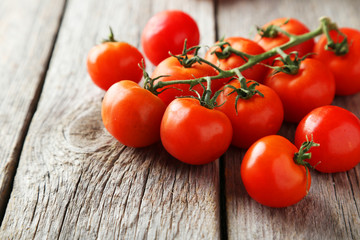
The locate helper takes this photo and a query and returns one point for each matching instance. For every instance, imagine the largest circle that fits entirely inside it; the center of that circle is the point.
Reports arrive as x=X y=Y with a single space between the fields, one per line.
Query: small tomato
x=166 y=32
x=270 y=174
x=252 y=118
x=337 y=130
x=193 y=133
x=111 y=62
x=132 y=114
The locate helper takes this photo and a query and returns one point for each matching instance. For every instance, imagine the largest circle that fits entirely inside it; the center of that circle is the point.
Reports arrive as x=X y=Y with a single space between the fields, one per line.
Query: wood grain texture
x=331 y=210
x=74 y=181
x=27 y=32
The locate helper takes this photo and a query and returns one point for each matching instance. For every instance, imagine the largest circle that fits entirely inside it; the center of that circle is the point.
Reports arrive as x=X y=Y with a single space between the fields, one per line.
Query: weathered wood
x=331 y=210
x=74 y=180
x=27 y=32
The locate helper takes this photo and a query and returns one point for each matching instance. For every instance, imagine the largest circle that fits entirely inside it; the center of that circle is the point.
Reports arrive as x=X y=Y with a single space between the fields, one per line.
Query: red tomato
x=257 y=72
x=132 y=114
x=291 y=25
x=111 y=62
x=255 y=118
x=337 y=130
x=194 y=134
x=270 y=174
x=346 y=68
x=175 y=71
x=311 y=87
x=166 y=32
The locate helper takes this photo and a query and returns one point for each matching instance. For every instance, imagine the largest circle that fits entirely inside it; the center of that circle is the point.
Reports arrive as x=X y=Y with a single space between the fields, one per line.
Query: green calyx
x=246 y=90
x=339 y=48
x=226 y=50
x=184 y=59
x=271 y=31
x=303 y=154
x=291 y=62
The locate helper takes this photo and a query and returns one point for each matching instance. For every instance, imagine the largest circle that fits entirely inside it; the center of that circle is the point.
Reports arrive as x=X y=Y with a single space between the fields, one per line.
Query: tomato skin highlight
x=346 y=68
x=111 y=62
x=337 y=130
x=194 y=134
x=166 y=32
x=175 y=71
x=256 y=117
x=313 y=86
x=270 y=175
x=293 y=26
x=132 y=114
x=256 y=72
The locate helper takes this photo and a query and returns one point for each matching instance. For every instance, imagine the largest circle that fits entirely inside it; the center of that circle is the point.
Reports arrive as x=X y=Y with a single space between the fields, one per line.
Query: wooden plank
x=331 y=210
x=74 y=180
x=27 y=32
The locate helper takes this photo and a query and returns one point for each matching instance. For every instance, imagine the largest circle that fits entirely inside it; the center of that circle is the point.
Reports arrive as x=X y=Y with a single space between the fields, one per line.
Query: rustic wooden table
x=62 y=176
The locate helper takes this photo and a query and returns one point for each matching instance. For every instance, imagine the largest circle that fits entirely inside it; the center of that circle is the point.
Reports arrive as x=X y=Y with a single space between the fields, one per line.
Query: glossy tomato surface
x=132 y=114
x=313 y=86
x=173 y=70
x=291 y=25
x=166 y=32
x=337 y=130
x=194 y=134
x=346 y=68
x=257 y=72
x=270 y=174
x=111 y=62
x=255 y=117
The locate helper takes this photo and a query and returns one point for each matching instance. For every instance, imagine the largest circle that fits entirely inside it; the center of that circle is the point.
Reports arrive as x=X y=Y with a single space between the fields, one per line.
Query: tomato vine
x=326 y=25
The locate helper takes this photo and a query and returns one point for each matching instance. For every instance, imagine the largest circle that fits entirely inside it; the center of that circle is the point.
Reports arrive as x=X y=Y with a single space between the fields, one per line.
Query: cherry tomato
x=337 y=130
x=194 y=134
x=291 y=25
x=166 y=32
x=111 y=62
x=270 y=174
x=252 y=118
x=257 y=72
x=311 y=87
x=132 y=114
x=346 y=68
x=175 y=71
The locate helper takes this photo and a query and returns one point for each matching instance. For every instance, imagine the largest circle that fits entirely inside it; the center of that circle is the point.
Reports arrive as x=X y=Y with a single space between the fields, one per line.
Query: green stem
x=110 y=38
x=207 y=94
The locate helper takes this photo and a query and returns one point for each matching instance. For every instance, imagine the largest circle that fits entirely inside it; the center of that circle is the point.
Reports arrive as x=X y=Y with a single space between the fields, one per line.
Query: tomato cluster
x=239 y=94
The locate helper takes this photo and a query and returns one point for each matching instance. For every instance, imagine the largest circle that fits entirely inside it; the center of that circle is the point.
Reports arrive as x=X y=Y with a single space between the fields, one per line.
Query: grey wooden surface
x=62 y=176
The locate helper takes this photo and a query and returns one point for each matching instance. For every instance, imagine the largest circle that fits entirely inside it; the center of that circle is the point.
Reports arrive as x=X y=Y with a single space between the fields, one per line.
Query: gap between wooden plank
x=16 y=154
x=222 y=177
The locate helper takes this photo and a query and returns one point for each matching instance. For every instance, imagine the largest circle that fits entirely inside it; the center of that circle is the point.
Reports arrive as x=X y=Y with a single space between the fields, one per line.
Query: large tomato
x=193 y=133
x=132 y=114
x=257 y=72
x=252 y=118
x=111 y=62
x=270 y=174
x=313 y=86
x=346 y=68
x=166 y=32
x=172 y=69
x=337 y=130
x=291 y=25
